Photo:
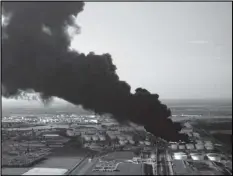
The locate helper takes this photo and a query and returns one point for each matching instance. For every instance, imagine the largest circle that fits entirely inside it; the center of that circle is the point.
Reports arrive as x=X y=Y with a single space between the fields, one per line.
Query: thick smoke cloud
x=35 y=55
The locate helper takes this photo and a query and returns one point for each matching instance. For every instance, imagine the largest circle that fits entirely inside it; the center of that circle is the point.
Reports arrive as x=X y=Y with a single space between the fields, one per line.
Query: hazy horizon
x=7 y=103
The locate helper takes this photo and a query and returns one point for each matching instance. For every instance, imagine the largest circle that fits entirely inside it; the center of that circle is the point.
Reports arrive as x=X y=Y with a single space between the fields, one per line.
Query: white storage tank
x=147 y=142
x=95 y=138
x=208 y=143
x=141 y=142
x=199 y=146
x=199 y=142
x=102 y=138
x=129 y=137
x=181 y=147
x=87 y=138
x=190 y=135
x=174 y=146
x=180 y=156
x=153 y=156
x=131 y=142
x=121 y=137
x=214 y=157
x=121 y=142
x=112 y=137
x=69 y=132
x=197 y=156
x=209 y=147
x=197 y=135
x=190 y=146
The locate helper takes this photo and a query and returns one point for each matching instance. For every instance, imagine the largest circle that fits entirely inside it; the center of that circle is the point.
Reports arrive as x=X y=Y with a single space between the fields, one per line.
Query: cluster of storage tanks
x=94 y=138
x=194 y=134
x=126 y=140
x=144 y=142
x=122 y=139
x=197 y=156
x=199 y=145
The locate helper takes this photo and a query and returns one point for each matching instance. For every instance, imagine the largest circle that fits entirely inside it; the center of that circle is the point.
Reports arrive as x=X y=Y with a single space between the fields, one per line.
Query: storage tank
x=197 y=135
x=147 y=142
x=69 y=132
x=199 y=146
x=208 y=143
x=181 y=147
x=121 y=142
x=131 y=142
x=121 y=137
x=102 y=138
x=112 y=137
x=129 y=137
x=141 y=142
x=153 y=156
x=214 y=157
x=197 y=156
x=174 y=146
x=199 y=142
x=190 y=146
x=87 y=138
x=180 y=156
x=95 y=138
x=190 y=135
x=209 y=147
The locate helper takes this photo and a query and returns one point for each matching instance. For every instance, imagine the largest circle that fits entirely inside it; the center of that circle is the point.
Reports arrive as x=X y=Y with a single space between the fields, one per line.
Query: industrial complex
x=111 y=148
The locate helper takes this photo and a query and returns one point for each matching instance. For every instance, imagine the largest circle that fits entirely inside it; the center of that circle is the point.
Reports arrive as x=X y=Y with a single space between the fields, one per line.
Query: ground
x=123 y=169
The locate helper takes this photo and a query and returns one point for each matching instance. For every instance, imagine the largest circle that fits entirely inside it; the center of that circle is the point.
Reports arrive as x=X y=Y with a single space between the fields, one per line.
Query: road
x=84 y=167
x=162 y=167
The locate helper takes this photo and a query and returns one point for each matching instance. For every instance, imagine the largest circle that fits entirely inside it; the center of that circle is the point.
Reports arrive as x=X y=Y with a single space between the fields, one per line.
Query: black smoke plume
x=35 y=55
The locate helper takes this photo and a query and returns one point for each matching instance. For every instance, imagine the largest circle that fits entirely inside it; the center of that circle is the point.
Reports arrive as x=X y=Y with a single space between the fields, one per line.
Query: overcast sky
x=176 y=49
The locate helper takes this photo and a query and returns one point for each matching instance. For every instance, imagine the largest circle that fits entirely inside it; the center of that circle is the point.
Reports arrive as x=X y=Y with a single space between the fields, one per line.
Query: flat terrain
x=66 y=157
x=118 y=156
x=52 y=162
x=221 y=132
x=123 y=169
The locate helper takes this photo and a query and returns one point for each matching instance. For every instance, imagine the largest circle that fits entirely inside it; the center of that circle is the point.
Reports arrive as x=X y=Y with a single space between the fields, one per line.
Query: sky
x=176 y=49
